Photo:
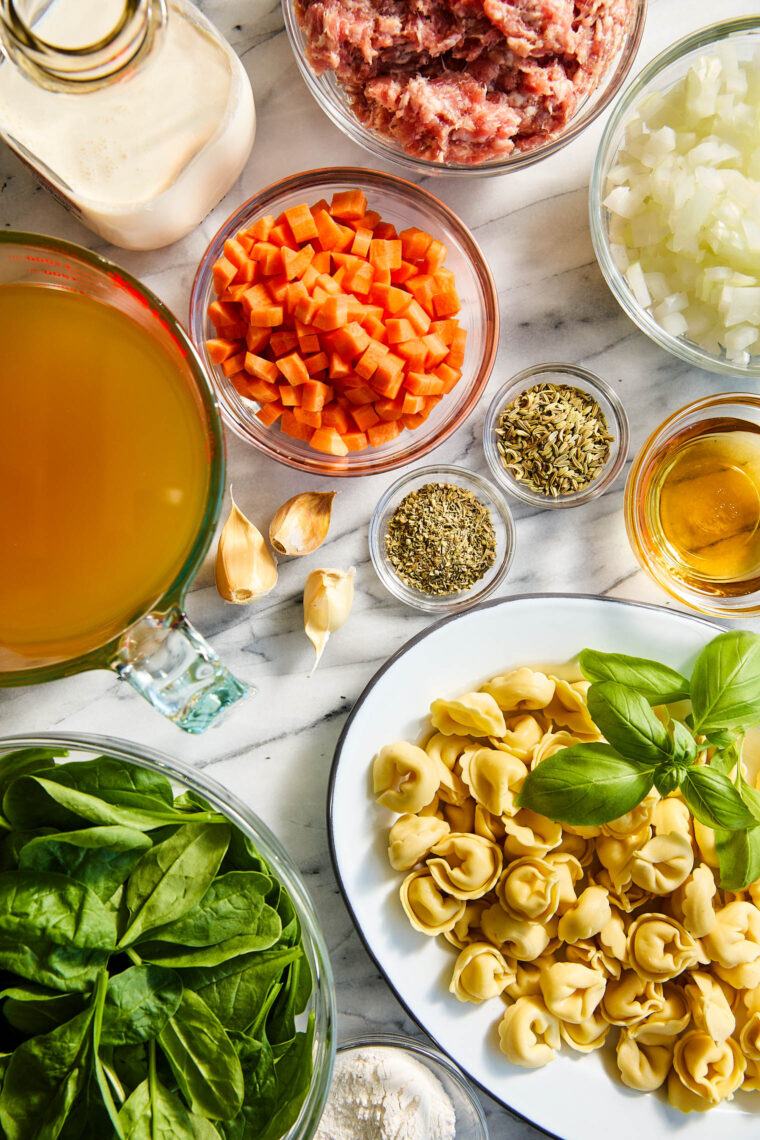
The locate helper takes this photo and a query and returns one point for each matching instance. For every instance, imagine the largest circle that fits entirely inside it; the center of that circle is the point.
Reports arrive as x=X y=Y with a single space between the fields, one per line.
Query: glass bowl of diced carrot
x=348 y=319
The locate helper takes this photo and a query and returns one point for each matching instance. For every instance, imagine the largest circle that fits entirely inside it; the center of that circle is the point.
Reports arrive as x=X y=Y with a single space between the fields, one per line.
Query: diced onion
x=684 y=204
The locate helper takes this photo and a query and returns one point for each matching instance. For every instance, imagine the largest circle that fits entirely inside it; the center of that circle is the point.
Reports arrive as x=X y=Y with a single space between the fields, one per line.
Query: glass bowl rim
x=690 y=353
x=425 y=202
x=447 y=603
x=684 y=594
x=618 y=455
x=428 y=1051
x=242 y=816
x=381 y=149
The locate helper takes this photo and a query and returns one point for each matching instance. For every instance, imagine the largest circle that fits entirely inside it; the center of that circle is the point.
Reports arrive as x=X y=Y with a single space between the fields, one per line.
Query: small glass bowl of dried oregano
x=442 y=538
x=555 y=435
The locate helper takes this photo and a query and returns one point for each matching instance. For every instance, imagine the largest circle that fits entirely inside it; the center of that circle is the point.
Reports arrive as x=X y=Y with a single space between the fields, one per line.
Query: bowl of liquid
x=111 y=481
x=692 y=505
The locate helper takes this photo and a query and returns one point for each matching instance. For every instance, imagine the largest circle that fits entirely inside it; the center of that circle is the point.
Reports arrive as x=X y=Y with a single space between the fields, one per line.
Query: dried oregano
x=440 y=539
x=554 y=439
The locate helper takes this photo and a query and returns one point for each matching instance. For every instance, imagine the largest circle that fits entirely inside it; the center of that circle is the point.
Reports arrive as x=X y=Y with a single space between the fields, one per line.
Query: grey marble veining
x=274 y=750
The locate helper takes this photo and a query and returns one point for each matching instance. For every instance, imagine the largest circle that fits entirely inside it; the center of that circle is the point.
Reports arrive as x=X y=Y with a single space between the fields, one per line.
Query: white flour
x=378 y=1093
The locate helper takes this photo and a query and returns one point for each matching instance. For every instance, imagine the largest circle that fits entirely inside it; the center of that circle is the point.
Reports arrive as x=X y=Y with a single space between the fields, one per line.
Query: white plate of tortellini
x=584 y=977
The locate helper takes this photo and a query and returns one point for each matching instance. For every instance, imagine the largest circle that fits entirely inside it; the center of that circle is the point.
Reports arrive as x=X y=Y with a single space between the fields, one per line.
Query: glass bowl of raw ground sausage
x=458 y=89
x=405 y=207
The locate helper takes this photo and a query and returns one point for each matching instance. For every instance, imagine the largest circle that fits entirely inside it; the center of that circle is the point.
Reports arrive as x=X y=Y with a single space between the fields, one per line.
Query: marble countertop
x=274 y=750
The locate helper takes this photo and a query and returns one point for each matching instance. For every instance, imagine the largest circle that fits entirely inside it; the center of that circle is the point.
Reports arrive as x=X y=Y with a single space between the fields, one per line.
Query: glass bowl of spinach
x=162 y=971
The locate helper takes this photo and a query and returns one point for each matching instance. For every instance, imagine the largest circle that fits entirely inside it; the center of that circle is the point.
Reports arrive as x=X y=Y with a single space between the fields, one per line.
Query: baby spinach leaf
x=44 y=1077
x=59 y=967
x=290 y=1001
x=138 y=1004
x=738 y=857
x=100 y=857
x=233 y=905
x=36 y=1016
x=243 y=856
x=657 y=683
x=42 y=905
x=628 y=723
x=293 y=1071
x=725 y=684
x=261 y=1091
x=153 y=1113
x=170 y=954
x=173 y=876
x=23 y=762
x=235 y=991
x=714 y=801
x=203 y=1059
x=116 y=781
x=586 y=785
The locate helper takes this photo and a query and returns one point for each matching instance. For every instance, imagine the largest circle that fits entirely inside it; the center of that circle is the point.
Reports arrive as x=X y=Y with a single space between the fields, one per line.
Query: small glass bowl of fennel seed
x=555 y=435
x=442 y=538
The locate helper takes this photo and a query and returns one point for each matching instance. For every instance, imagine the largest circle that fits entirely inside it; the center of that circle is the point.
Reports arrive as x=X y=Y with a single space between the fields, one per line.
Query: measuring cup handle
x=168 y=662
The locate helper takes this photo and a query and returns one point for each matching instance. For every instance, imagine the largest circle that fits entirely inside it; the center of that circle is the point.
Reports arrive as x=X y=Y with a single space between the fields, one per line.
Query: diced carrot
x=419 y=384
x=291 y=426
x=370 y=358
x=269 y=413
x=293 y=368
x=282 y=342
x=450 y=376
x=304 y=416
x=246 y=239
x=290 y=397
x=261 y=228
x=269 y=257
x=335 y=416
x=404 y=272
x=444 y=277
x=350 y=341
x=233 y=364
x=414 y=243
x=282 y=235
x=430 y=403
x=361 y=242
x=399 y=330
x=236 y=331
x=385 y=231
x=269 y=317
x=322 y=204
x=257 y=339
x=301 y=223
x=338 y=367
x=261 y=368
x=455 y=358
x=333 y=313
x=383 y=433
x=437 y=350
x=414 y=352
x=263 y=392
x=360 y=280
x=294 y=293
x=222 y=273
x=388 y=386
x=306 y=310
x=234 y=253
x=445 y=329
x=328 y=439
x=355 y=440
x=255 y=297
x=240 y=381
x=308 y=340
x=248 y=273
x=348 y=204
x=319 y=362
x=435 y=256
x=390 y=409
x=413 y=404
x=309 y=276
x=412 y=421
x=219 y=349
x=385 y=254
x=321 y=261
x=277 y=287
x=358 y=396
x=417 y=315
x=222 y=314
x=328 y=230
x=446 y=302
x=295 y=264
x=376 y=329
x=330 y=284
x=235 y=291
x=368 y=222
x=423 y=289
x=314 y=395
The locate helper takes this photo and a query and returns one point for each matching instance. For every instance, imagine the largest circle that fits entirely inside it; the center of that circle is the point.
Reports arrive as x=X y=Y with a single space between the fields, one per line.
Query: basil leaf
x=725 y=759
x=233 y=905
x=657 y=683
x=43 y=1079
x=100 y=857
x=738 y=857
x=714 y=801
x=586 y=785
x=138 y=1004
x=628 y=723
x=725 y=684
x=685 y=749
x=751 y=797
x=203 y=1060
x=173 y=876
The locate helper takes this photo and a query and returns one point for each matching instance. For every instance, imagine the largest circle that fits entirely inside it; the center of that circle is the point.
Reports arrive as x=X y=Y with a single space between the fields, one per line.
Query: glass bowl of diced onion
x=675 y=199
x=401 y=204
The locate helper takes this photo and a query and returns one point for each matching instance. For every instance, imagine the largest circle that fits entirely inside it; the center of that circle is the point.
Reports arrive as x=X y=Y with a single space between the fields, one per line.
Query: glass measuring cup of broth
x=111 y=481
x=692 y=505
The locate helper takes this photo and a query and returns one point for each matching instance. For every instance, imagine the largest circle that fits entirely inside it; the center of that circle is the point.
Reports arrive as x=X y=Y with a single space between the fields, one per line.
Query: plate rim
x=490 y=603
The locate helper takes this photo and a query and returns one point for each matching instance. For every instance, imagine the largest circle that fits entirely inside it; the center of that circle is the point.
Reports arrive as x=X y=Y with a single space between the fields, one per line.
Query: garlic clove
x=301 y=524
x=327 y=599
x=245 y=570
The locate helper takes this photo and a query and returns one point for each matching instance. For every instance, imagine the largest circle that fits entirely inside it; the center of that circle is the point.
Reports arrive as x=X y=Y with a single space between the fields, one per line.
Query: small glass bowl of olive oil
x=692 y=505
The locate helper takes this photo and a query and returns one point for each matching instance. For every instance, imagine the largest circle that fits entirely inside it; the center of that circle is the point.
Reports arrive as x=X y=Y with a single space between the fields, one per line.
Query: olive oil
x=703 y=506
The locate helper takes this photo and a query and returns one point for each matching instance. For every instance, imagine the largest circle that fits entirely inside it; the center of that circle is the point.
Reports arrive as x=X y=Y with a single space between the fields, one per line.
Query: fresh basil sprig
x=592 y=784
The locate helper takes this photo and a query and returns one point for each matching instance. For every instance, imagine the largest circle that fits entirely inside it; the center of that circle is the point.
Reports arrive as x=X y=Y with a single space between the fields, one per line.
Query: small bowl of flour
x=395 y=1088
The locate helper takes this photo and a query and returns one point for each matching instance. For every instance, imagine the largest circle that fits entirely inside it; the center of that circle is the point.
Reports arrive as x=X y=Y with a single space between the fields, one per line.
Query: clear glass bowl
x=403 y=204
x=576 y=377
x=659 y=75
x=470 y=1118
x=184 y=778
x=648 y=544
x=503 y=525
x=334 y=102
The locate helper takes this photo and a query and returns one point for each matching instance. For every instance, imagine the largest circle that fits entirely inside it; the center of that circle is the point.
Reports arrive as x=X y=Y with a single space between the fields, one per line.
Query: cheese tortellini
x=587 y=934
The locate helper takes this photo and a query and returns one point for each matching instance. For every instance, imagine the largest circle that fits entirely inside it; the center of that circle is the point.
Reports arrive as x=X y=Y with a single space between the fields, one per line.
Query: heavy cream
x=142 y=159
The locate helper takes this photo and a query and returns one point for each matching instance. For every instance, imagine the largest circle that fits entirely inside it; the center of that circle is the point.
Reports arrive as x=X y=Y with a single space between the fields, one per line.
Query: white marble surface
x=274 y=750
